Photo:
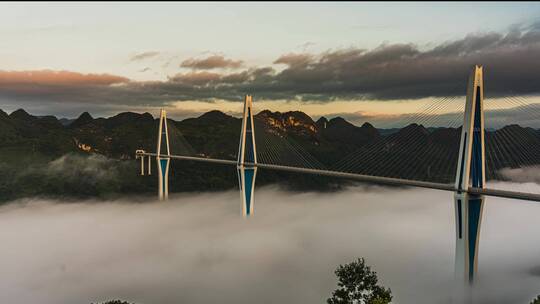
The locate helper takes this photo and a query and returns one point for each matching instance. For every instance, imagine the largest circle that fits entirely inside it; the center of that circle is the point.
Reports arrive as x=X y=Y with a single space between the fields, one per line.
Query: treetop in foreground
x=358 y=284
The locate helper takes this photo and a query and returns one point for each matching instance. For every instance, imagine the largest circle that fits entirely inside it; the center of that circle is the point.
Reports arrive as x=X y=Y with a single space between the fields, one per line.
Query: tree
x=358 y=284
x=536 y=301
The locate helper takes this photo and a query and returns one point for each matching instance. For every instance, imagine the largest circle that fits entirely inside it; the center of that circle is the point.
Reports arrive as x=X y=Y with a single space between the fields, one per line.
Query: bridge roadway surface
x=364 y=178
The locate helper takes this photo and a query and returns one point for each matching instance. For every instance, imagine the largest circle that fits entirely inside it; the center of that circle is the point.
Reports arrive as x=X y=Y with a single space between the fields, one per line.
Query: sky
x=360 y=59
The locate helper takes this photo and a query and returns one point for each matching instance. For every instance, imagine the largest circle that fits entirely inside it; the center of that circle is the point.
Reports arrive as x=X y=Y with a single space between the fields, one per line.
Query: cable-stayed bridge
x=459 y=160
x=362 y=178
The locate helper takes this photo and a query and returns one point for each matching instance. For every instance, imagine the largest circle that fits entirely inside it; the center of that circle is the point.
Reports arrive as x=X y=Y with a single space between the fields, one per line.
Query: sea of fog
x=197 y=248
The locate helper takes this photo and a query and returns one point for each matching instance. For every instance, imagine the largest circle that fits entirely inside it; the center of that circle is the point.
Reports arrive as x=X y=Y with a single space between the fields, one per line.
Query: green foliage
x=358 y=284
x=536 y=301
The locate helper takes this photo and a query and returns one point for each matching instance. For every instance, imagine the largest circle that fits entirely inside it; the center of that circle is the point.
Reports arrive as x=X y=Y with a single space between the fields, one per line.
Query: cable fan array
x=423 y=145
x=513 y=142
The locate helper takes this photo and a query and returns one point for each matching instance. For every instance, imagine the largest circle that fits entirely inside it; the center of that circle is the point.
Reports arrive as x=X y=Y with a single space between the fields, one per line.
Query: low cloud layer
x=70 y=176
x=198 y=249
x=522 y=175
x=91 y=169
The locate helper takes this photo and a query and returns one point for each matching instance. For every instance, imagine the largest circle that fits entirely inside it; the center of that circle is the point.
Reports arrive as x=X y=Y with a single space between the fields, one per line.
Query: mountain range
x=34 y=146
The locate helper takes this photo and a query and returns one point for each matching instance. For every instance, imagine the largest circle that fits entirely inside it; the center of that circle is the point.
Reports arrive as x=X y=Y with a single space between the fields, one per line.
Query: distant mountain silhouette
x=83 y=119
x=21 y=114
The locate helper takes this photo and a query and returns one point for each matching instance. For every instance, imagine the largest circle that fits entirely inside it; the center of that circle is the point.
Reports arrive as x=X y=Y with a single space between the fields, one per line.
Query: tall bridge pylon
x=247 y=158
x=470 y=173
x=163 y=157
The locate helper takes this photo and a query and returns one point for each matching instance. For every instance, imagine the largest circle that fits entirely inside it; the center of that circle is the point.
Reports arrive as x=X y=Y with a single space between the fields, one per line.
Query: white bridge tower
x=163 y=157
x=247 y=158
x=470 y=173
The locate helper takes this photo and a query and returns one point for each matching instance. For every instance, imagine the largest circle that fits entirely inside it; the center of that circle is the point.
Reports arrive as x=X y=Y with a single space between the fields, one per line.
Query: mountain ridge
x=412 y=152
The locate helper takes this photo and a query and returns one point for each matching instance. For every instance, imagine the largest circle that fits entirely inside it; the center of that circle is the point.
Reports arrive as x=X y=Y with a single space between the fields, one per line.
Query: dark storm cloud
x=212 y=62
x=390 y=71
x=397 y=71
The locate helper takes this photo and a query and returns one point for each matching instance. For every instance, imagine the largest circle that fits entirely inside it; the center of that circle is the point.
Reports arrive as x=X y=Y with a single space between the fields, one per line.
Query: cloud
x=86 y=169
x=71 y=175
x=292 y=59
x=55 y=86
x=212 y=62
x=522 y=175
x=535 y=25
x=198 y=249
x=196 y=78
x=144 y=55
x=304 y=46
x=10 y=79
x=56 y=92
x=397 y=71
x=388 y=72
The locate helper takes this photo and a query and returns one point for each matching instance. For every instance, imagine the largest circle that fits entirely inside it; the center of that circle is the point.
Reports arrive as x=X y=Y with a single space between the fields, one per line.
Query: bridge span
x=362 y=178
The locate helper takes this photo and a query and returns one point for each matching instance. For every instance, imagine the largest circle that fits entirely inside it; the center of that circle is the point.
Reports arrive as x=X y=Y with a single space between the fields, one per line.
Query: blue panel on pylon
x=249 y=151
x=248 y=126
x=475 y=206
x=163 y=164
x=476 y=159
x=248 y=187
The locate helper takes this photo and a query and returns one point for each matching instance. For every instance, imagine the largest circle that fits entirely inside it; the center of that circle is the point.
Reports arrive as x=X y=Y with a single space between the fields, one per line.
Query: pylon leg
x=246 y=179
x=468 y=210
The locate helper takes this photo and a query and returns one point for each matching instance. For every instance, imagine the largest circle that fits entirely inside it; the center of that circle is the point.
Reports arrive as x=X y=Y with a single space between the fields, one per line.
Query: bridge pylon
x=163 y=162
x=247 y=158
x=140 y=154
x=470 y=173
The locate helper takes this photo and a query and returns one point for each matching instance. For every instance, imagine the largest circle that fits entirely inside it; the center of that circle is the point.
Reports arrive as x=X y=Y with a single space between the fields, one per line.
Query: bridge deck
x=366 y=178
